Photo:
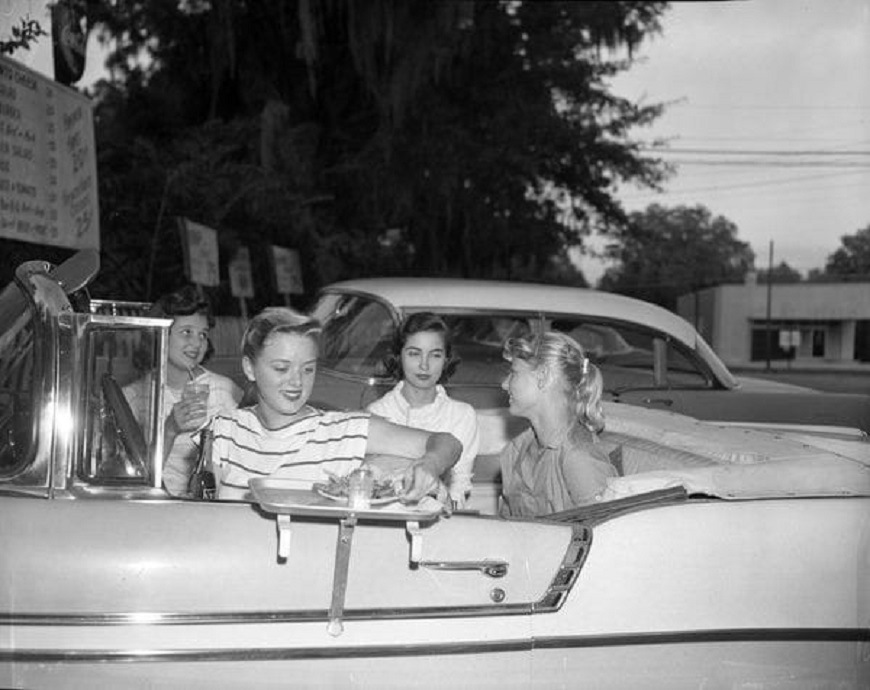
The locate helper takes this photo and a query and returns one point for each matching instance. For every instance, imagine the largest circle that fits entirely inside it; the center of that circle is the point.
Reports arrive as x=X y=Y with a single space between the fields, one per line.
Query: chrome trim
x=258 y=617
x=761 y=635
x=569 y=571
x=550 y=602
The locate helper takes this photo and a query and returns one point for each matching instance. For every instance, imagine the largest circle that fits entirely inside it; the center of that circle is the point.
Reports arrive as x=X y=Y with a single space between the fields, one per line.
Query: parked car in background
x=680 y=578
x=648 y=356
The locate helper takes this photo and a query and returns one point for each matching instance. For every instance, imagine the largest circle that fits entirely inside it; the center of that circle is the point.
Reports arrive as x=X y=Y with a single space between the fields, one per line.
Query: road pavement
x=833 y=380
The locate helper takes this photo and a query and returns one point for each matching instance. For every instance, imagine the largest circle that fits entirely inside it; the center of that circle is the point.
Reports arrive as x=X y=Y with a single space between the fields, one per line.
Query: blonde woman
x=557 y=463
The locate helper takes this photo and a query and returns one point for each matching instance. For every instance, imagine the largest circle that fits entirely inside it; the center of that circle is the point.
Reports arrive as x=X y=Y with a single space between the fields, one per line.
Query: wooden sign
x=48 y=168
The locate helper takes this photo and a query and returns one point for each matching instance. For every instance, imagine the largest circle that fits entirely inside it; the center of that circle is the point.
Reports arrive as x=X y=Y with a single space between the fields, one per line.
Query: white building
x=821 y=322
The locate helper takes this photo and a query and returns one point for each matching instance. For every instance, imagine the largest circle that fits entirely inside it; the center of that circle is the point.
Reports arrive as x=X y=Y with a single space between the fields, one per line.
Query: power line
x=769 y=139
x=860 y=165
x=758 y=152
x=743 y=185
x=798 y=108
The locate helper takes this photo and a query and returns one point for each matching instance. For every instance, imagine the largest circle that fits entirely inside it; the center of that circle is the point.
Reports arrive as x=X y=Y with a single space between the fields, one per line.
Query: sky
x=784 y=86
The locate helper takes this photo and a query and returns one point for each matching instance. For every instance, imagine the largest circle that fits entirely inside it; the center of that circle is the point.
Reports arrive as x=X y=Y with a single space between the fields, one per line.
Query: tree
x=21 y=36
x=782 y=273
x=663 y=253
x=483 y=133
x=852 y=259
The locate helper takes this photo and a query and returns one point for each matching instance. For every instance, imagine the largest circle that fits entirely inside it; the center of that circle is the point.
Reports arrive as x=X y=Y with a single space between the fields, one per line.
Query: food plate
x=285 y=497
x=323 y=490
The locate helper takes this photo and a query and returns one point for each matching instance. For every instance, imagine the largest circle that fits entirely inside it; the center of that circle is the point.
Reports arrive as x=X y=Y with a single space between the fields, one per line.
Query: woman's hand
x=415 y=478
x=189 y=413
x=420 y=479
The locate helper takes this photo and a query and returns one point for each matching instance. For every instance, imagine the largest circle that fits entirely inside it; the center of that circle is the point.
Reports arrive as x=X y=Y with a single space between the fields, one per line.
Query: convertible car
x=721 y=557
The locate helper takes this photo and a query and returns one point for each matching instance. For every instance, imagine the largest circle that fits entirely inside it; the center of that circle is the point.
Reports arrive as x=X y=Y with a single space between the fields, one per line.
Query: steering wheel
x=126 y=425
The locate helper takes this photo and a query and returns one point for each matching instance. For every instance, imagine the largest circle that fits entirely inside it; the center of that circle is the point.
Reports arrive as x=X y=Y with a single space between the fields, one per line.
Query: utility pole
x=769 y=290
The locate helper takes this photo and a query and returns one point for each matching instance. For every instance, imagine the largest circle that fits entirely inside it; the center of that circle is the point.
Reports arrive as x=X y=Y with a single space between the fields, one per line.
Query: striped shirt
x=303 y=449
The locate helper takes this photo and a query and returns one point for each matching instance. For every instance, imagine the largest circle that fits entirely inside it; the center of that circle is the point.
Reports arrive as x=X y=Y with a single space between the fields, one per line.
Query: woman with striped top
x=281 y=436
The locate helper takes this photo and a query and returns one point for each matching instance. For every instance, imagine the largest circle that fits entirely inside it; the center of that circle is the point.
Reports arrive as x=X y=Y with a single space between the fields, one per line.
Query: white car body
x=723 y=557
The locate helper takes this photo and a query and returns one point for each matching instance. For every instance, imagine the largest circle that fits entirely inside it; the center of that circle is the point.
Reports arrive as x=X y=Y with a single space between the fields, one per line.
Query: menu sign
x=48 y=169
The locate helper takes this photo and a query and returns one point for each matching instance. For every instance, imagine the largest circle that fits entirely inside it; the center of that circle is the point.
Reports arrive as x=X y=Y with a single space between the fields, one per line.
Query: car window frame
x=395 y=318
x=662 y=343
x=87 y=326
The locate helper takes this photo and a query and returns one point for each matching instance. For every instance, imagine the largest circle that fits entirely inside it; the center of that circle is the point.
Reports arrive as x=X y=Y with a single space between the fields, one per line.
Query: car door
x=185 y=588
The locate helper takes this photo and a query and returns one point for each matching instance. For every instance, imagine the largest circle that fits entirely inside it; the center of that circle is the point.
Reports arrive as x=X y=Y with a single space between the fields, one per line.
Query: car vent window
x=358 y=334
x=120 y=405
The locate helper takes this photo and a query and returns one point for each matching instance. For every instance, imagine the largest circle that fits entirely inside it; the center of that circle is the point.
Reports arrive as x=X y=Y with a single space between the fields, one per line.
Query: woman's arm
x=435 y=453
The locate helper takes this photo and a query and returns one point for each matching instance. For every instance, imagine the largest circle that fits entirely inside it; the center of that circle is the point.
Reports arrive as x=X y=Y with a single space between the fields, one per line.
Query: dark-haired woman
x=423 y=359
x=193 y=394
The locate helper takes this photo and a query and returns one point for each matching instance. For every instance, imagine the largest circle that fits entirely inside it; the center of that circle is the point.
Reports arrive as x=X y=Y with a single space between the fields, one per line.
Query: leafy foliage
x=852 y=259
x=663 y=253
x=21 y=36
x=781 y=273
x=470 y=138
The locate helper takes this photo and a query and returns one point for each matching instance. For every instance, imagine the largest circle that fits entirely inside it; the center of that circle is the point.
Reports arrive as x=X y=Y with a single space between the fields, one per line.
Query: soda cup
x=198 y=391
x=359 y=489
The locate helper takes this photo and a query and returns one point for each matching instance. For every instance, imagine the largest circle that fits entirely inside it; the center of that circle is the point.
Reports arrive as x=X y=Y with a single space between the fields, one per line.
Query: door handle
x=491 y=568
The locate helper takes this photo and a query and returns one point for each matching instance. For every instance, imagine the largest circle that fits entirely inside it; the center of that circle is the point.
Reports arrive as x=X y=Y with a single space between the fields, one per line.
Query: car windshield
x=360 y=331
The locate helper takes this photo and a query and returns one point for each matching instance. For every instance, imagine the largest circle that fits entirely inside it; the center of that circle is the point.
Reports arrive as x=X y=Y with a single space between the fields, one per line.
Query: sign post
x=288 y=273
x=48 y=168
